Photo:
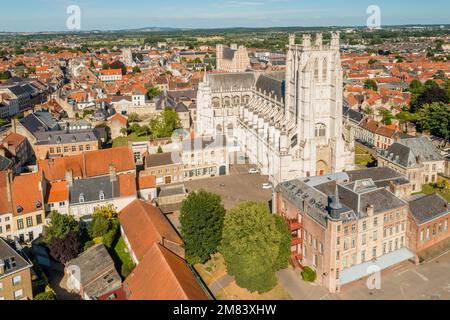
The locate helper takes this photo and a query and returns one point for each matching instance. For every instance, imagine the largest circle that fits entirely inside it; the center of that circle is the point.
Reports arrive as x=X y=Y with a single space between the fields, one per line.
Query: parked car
x=266 y=186
x=253 y=171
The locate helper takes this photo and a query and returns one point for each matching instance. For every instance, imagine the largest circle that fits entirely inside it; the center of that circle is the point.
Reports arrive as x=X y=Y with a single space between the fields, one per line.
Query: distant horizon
x=37 y=16
x=153 y=29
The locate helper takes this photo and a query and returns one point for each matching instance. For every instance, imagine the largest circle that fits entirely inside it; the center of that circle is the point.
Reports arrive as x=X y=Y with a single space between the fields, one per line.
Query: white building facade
x=289 y=124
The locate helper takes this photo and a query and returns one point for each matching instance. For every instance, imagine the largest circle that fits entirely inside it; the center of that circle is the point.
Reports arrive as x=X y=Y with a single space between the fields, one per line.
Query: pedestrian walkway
x=220 y=284
x=299 y=289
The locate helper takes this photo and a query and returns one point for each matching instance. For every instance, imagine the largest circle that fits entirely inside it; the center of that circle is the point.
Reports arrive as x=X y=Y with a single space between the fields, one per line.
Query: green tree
x=416 y=87
x=133 y=117
x=202 y=216
x=152 y=92
x=370 y=84
x=435 y=118
x=136 y=69
x=372 y=61
x=165 y=124
x=60 y=225
x=160 y=150
x=48 y=294
x=252 y=244
x=430 y=95
x=386 y=116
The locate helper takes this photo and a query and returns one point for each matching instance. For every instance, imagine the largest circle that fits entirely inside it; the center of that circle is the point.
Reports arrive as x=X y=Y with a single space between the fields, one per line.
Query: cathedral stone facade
x=232 y=59
x=289 y=124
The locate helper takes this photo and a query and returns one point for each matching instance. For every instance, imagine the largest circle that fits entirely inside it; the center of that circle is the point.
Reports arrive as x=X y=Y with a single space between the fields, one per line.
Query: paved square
x=236 y=187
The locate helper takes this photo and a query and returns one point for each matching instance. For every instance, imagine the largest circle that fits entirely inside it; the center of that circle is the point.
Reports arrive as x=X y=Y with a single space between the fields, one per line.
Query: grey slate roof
x=97 y=271
x=428 y=208
x=5 y=163
x=13 y=261
x=408 y=152
x=200 y=144
x=272 y=83
x=353 y=115
x=64 y=137
x=39 y=122
x=91 y=189
x=231 y=81
x=376 y=174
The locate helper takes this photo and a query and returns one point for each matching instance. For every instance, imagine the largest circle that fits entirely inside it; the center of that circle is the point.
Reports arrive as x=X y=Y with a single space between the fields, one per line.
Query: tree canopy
x=165 y=124
x=255 y=245
x=152 y=92
x=370 y=84
x=202 y=216
x=435 y=118
x=60 y=225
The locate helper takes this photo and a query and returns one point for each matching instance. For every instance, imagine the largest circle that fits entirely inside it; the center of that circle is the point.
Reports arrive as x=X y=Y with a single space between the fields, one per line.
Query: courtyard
x=427 y=281
x=236 y=187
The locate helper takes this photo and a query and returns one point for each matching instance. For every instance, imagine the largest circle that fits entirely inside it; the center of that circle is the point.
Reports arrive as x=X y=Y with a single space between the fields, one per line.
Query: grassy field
x=215 y=269
x=123 y=141
x=122 y=257
x=429 y=189
x=362 y=157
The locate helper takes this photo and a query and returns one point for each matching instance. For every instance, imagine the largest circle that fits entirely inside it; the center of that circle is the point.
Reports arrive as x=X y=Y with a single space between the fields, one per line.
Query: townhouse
x=15 y=273
x=340 y=227
x=416 y=158
x=428 y=223
x=17 y=148
x=166 y=167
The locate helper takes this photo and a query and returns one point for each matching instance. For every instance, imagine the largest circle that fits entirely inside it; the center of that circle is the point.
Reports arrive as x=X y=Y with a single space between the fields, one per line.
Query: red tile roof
x=5 y=204
x=57 y=192
x=147 y=182
x=14 y=139
x=26 y=193
x=162 y=275
x=89 y=164
x=144 y=225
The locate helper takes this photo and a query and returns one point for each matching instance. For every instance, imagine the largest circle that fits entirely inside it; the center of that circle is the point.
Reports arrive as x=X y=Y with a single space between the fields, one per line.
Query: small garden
x=66 y=239
x=442 y=188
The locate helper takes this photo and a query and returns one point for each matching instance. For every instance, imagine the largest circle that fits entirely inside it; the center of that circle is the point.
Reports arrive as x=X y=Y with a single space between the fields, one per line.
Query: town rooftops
x=13 y=139
x=428 y=208
x=5 y=163
x=355 y=197
x=162 y=275
x=11 y=261
x=111 y=72
x=97 y=271
x=65 y=137
x=160 y=159
x=89 y=164
x=231 y=81
x=144 y=225
x=39 y=122
x=26 y=194
x=410 y=152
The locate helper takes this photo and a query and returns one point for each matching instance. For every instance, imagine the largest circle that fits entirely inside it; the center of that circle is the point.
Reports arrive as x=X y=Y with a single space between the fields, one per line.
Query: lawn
x=234 y=292
x=362 y=157
x=215 y=269
x=123 y=141
x=121 y=256
x=429 y=189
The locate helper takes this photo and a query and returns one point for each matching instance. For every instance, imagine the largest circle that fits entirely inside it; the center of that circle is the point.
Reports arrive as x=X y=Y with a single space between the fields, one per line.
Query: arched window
x=236 y=101
x=321 y=130
x=245 y=99
x=316 y=70
x=325 y=70
x=226 y=102
x=81 y=198
x=216 y=102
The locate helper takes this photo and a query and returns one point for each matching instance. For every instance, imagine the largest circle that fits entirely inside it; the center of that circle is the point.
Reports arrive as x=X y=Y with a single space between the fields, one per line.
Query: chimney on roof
x=69 y=177
x=2 y=267
x=370 y=210
x=9 y=178
x=112 y=173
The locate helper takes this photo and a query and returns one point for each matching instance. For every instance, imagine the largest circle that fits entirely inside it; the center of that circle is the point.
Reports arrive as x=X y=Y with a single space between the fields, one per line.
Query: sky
x=51 y=15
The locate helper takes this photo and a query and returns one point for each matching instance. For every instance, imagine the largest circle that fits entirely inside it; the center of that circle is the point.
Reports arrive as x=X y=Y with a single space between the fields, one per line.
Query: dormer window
x=81 y=198
x=38 y=204
x=19 y=209
x=74 y=139
x=102 y=196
